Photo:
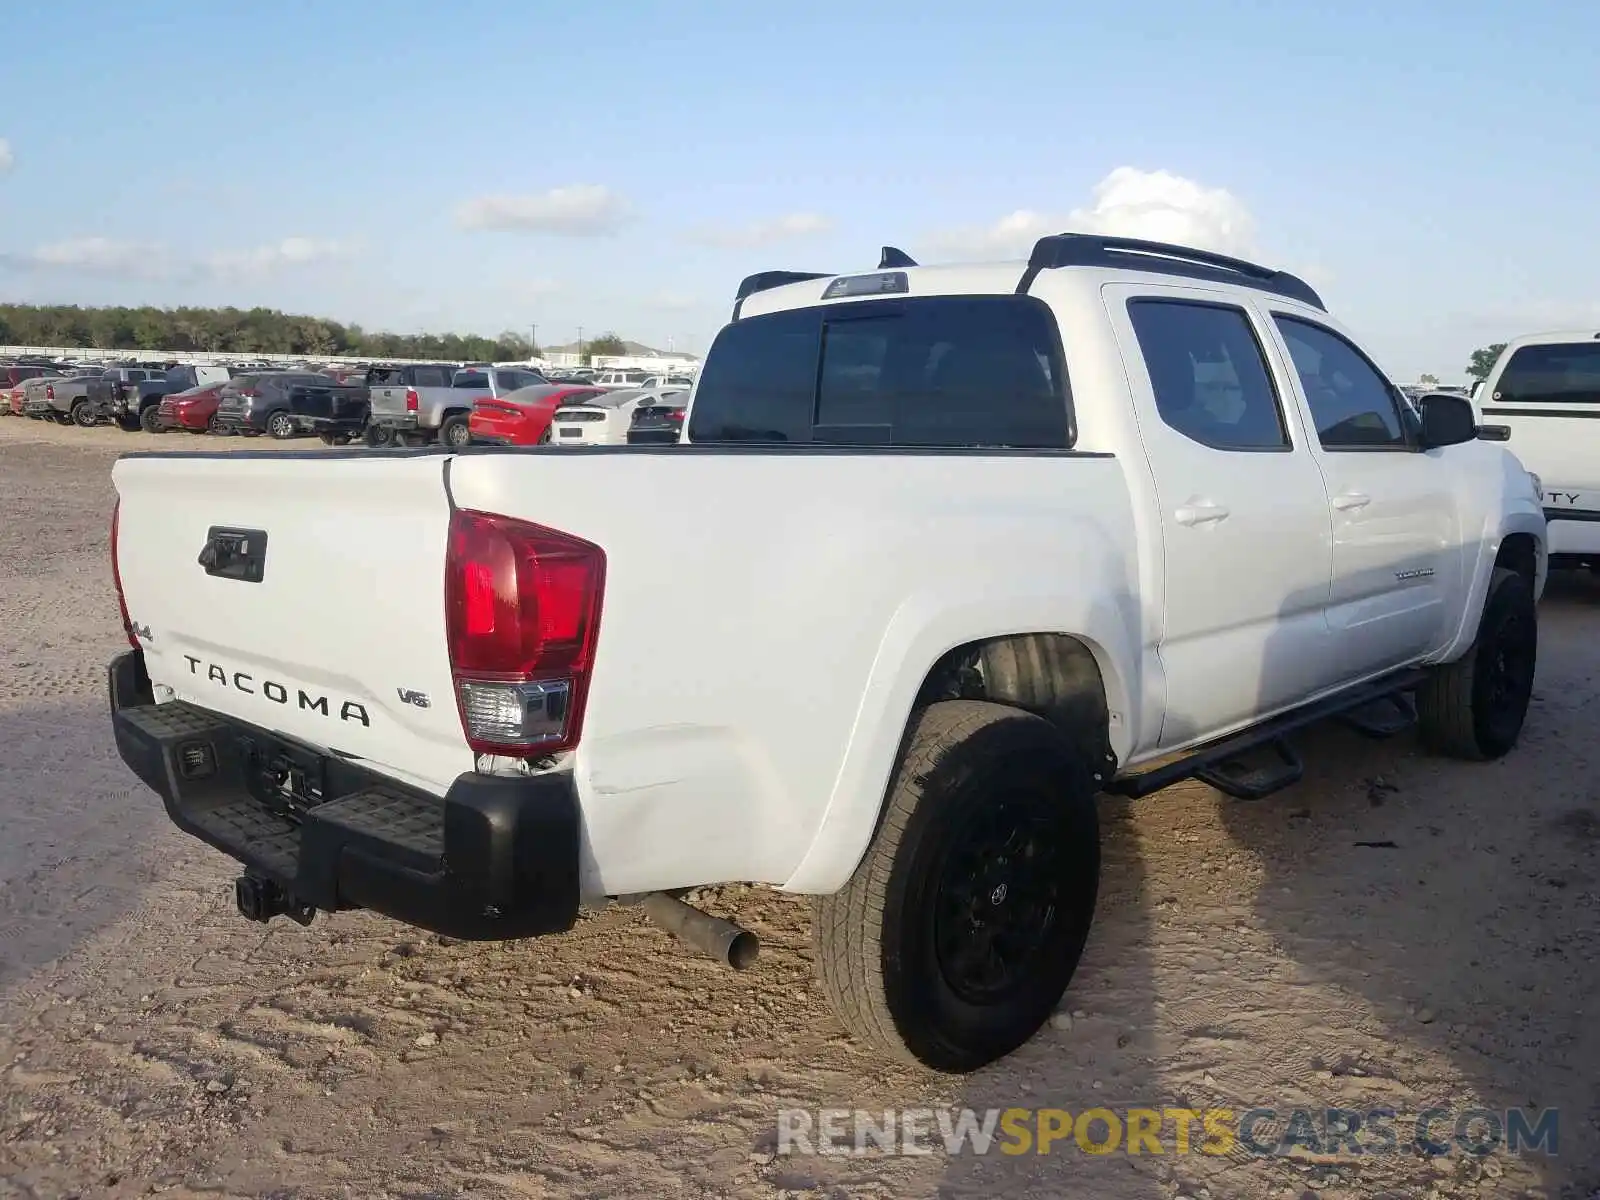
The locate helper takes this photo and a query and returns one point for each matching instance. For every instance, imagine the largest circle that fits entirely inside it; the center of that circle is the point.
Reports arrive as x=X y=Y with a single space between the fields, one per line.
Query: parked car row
x=414 y=404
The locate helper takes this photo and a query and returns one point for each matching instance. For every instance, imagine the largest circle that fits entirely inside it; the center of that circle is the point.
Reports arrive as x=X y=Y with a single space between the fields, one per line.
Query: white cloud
x=97 y=256
x=763 y=233
x=1129 y=202
x=111 y=258
x=582 y=210
x=7 y=159
x=265 y=260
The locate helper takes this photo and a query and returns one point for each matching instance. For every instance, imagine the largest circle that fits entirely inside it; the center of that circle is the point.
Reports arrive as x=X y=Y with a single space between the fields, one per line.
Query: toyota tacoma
x=944 y=553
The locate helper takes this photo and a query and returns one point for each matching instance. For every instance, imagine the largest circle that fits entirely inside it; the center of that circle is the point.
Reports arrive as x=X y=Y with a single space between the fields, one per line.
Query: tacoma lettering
x=245 y=683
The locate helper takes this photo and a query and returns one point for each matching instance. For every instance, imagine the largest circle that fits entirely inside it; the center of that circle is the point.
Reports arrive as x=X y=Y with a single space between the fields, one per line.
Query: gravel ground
x=1396 y=931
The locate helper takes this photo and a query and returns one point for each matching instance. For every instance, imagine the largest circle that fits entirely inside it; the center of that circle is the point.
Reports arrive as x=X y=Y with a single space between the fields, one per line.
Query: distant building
x=661 y=364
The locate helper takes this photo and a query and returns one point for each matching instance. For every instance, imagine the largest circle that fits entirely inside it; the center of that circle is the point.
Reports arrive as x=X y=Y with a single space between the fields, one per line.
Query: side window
x=1209 y=374
x=1551 y=375
x=1353 y=406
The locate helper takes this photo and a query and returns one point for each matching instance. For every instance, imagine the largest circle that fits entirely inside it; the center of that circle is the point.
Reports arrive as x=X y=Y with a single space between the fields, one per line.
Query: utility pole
x=533 y=340
x=580 y=345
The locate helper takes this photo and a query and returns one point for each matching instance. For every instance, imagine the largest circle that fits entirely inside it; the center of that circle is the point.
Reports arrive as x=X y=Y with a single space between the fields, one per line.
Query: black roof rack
x=1135 y=254
x=892 y=257
x=763 y=281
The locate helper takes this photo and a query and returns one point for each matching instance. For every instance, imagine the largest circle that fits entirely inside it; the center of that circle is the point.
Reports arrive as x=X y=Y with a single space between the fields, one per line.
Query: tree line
x=251 y=331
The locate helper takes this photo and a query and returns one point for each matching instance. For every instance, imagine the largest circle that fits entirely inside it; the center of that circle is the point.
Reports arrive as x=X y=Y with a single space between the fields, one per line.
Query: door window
x=1353 y=405
x=1209 y=375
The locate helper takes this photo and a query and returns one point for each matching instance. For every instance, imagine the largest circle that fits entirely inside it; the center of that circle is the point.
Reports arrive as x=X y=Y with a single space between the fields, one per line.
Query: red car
x=522 y=417
x=191 y=410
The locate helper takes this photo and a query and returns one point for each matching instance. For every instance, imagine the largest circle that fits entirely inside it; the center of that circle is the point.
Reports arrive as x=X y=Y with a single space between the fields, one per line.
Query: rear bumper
x=405 y=422
x=502 y=433
x=350 y=425
x=496 y=858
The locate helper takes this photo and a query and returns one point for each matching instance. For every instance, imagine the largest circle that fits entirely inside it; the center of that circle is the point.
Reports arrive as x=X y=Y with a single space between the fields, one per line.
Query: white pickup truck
x=1545 y=388
x=944 y=553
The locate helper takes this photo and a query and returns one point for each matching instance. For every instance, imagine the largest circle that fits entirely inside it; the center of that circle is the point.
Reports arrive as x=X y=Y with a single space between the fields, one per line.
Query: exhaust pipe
x=722 y=940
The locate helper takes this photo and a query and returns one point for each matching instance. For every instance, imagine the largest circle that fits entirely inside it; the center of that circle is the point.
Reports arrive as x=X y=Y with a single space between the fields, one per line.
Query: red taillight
x=522 y=611
x=116 y=577
x=49 y=391
x=412 y=400
x=676 y=414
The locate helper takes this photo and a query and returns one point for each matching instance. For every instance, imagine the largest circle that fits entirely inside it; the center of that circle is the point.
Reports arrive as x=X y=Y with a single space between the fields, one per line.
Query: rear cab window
x=1550 y=374
x=470 y=379
x=929 y=371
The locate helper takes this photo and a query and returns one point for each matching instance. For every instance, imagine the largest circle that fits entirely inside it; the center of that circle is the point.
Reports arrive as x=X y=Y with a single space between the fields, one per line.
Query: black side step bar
x=1223 y=764
x=1384 y=717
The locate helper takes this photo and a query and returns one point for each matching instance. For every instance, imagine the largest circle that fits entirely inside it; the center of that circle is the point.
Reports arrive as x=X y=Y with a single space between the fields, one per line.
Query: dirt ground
x=1395 y=931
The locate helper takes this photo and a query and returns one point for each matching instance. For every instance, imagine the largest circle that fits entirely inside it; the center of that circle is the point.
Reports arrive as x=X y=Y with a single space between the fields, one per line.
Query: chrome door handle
x=1199 y=513
x=1349 y=501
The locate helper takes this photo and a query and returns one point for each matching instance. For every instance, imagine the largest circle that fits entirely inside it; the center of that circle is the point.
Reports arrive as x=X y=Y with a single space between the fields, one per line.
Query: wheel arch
x=1517 y=542
x=1078 y=678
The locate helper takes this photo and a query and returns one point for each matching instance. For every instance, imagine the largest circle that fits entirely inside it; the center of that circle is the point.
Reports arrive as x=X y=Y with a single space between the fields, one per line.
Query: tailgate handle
x=235 y=553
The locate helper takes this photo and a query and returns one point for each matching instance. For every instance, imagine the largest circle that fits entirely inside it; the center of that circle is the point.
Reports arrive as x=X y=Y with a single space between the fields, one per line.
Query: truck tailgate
x=341 y=641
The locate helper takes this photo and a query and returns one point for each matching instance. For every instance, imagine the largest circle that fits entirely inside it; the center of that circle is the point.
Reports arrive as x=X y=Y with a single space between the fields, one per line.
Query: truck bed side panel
x=754 y=605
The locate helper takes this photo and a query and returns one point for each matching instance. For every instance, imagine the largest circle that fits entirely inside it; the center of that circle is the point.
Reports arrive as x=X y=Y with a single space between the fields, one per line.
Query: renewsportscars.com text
x=1212 y=1131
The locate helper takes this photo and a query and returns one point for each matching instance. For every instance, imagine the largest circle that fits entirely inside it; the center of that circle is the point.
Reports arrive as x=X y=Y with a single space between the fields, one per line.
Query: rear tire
x=545 y=438
x=83 y=415
x=281 y=426
x=960 y=929
x=454 y=432
x=379 y=436
x=1474 y=708
x=150 y=420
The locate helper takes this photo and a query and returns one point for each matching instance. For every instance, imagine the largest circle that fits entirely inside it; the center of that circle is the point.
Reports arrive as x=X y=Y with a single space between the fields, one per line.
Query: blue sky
x=493 y=164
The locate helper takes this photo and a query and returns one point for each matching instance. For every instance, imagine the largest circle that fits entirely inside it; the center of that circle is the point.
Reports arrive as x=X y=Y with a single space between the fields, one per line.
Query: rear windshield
x=1552 y=375
x=955 y=371
x=510 y=381
x=470 y=379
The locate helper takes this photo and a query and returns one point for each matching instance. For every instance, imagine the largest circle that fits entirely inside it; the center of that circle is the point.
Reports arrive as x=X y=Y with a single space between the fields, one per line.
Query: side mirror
x=1447 y=421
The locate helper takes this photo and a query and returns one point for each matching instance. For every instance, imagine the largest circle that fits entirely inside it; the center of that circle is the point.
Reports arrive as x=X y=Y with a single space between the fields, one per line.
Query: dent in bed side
x=1094 y=605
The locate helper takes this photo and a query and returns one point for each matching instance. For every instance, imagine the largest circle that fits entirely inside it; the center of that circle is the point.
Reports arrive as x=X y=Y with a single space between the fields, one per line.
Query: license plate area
x=285 y=779
x=577 y=433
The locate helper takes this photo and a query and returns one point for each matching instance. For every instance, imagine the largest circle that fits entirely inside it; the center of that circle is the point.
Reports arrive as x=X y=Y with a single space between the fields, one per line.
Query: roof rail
x=893 y=256
x=1165 y=258
x=766 y=280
